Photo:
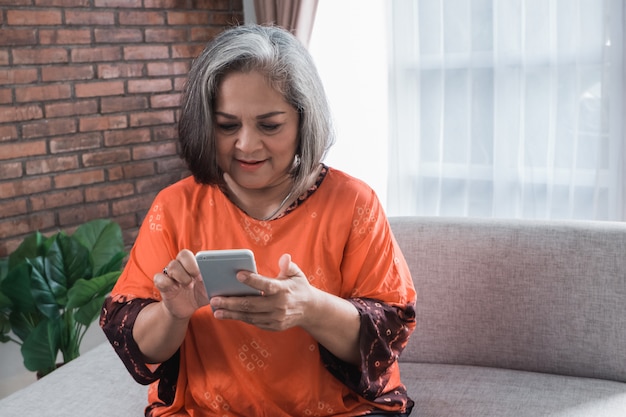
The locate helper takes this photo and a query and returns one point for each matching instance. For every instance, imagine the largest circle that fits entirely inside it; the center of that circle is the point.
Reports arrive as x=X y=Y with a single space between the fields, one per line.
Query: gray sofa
x=514 y=318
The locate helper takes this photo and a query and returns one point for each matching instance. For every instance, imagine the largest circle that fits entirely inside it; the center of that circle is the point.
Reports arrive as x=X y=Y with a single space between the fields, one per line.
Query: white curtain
x=507 y=108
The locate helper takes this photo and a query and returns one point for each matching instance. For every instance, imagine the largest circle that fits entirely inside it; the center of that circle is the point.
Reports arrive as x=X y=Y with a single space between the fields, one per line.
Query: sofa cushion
x=94 y=384
x=542 y=296
x=466 y=391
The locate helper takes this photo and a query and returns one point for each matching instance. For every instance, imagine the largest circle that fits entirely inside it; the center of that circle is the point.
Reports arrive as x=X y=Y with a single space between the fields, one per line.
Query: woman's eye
x=270 y=127
x=227 y=127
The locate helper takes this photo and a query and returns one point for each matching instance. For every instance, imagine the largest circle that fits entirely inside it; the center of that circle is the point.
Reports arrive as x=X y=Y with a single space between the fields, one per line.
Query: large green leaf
x=41 y=347
x=22 y=324
x=67 y=260
x=43 y=294
x=30 y=247
x=88 y=313
x=16 y=286
x=104 y=240
x=86 y=290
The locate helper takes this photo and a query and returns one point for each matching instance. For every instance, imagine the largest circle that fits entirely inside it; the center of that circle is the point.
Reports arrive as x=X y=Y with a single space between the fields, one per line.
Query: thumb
x=287 y=268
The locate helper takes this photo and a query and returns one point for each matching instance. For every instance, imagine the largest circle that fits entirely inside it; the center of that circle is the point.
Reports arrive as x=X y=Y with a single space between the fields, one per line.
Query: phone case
x=219 y=271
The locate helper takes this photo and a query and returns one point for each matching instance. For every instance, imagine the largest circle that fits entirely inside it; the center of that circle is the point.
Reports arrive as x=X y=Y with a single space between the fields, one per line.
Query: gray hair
x=290 y=69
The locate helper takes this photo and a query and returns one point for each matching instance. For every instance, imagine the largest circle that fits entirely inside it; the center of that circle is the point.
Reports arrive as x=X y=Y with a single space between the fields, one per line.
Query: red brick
x=179 y=83
x=154 y=151
x=114 y=173
x=8 y=132
x=18 y=76
x=4 y=57
x=77 y=215
x=139 y=203
x=99 y=89
x=88 y=124
x=39 y=56
x=173 y=164
x=24 y=186
x=156 y=183
x=21 y=37
x=83 y=72
x=48 y=127
x=145 y=52
x=165 y=133
x=20 y=113
x=151 y=118
x=106 y=157
x=136 y=170
x=156 y=69
x=109 y=192
x=89 y=18
x=118 y=35
x=165 y=100
x=21 y=149
x=136 y=4
x=188 y=18
x=75 y=142
x=140 y=18
x=26 y=224
x=126 y=137
x=118 y=104
x=33 y=17
x=64 y=36
x=56 y=199
x=187 y=50
x=110 y=53
x=6 y=96
x=204 y=33
x=71 y=108
x=10 y=170
x=75 y=179
x=166 y=35
x=10 y=208
x=54 y=164
x=225 y=19
x=149 y=86
x=43 y=93
x=120 y=70
x=63 y=3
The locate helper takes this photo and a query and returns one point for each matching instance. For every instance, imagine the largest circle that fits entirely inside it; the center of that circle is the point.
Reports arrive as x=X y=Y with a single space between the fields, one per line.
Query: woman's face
x=256 y=131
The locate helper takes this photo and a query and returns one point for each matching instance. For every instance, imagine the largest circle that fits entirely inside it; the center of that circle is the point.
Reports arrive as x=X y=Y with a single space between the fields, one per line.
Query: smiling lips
x=250 y=165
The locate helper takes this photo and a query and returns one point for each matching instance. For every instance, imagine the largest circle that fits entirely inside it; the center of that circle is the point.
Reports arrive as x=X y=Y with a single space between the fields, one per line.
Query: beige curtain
x=296 y=16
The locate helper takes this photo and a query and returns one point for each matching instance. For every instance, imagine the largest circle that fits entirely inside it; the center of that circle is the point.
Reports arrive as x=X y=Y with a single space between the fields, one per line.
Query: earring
x=296 y=161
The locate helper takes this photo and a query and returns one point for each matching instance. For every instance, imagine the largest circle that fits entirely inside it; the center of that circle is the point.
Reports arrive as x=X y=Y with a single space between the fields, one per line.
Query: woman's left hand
x=282 y=306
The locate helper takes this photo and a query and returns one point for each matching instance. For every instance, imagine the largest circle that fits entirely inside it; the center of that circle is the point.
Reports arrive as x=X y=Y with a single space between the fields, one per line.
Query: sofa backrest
x=543 y=296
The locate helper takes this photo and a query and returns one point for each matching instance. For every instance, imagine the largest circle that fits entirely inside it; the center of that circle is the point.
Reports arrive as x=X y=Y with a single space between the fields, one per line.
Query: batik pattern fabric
x=340 y=238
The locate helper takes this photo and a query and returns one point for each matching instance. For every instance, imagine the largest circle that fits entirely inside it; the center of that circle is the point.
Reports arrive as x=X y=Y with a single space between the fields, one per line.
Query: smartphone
x=219 y=271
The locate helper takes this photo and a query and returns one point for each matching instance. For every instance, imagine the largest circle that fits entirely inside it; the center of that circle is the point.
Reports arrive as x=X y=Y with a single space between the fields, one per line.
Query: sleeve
x=377 y=278
x=117 y=320
x=385 y=331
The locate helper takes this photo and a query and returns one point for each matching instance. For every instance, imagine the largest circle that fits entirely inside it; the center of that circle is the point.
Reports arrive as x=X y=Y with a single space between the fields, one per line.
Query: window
x=507 y=108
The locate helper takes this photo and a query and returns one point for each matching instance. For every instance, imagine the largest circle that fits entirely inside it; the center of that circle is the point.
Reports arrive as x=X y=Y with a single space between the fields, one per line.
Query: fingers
x=178 y=272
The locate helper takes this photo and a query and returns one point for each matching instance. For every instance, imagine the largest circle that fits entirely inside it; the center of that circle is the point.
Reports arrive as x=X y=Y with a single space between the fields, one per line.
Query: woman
x=337 y=304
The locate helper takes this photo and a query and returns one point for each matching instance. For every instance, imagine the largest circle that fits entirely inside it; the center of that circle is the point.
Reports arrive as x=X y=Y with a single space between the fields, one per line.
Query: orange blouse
x=340 y=238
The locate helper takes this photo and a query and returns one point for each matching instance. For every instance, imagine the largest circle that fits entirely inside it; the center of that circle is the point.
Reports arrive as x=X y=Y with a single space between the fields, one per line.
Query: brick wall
x=89 y=91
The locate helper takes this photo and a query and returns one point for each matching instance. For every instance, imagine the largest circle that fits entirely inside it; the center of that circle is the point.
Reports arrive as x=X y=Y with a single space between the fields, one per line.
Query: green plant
x=52 y=289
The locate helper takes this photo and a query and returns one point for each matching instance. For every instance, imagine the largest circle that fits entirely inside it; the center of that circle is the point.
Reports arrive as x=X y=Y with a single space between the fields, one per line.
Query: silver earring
x=296 y=161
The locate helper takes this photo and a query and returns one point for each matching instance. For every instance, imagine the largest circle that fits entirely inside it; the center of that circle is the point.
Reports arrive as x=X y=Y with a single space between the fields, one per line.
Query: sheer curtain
x=507 y=108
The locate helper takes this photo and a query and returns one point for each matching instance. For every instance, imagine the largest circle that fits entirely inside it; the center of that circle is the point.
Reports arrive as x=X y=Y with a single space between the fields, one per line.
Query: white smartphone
x=219 y=271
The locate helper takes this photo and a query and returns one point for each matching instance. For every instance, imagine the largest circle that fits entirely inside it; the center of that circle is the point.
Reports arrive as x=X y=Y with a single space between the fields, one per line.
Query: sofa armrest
x=94 y=384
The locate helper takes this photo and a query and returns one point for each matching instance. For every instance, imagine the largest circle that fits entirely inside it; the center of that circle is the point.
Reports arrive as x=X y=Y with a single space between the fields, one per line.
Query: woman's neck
x=261 y=204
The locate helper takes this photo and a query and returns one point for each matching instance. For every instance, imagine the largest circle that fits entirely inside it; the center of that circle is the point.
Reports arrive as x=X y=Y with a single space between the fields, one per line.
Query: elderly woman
x=337 y=303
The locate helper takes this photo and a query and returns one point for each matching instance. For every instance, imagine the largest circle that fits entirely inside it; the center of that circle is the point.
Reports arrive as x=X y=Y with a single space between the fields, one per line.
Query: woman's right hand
x=181 y=287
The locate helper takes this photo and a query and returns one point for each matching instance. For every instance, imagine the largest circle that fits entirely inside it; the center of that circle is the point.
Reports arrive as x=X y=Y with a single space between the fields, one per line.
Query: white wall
x=353 y=65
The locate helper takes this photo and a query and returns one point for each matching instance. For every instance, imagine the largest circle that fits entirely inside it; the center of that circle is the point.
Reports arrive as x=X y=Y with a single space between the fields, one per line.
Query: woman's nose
x=247 y=140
